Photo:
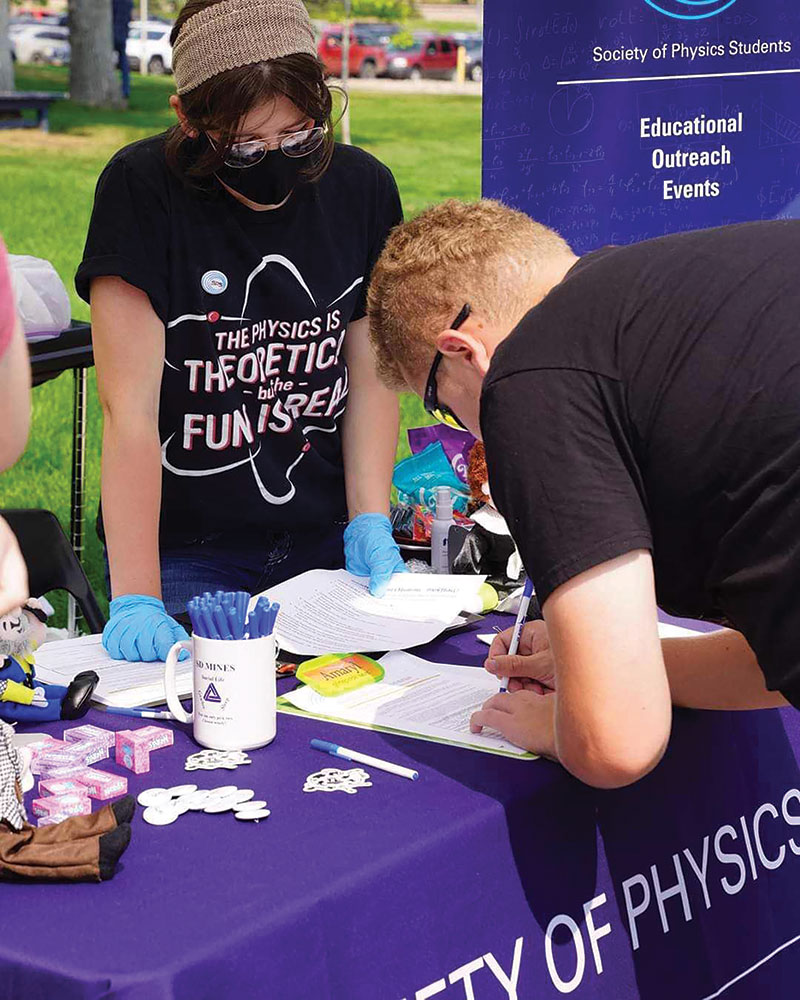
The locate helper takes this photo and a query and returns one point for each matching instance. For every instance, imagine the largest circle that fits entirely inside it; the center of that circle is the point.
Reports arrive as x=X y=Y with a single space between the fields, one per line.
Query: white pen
x=362 y=758
x=139 y=713
x=522 y=614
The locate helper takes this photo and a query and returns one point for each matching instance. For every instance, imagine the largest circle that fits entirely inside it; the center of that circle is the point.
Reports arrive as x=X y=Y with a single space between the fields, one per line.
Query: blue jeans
x=124 y=67
x=246 y=561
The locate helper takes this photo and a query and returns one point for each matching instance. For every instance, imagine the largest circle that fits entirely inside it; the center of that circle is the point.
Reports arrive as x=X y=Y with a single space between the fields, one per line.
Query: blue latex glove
x=370 y=550
x=140 y=629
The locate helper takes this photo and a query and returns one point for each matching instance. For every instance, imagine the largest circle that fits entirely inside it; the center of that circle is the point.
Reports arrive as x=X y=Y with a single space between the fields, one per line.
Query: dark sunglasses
x=430 y=400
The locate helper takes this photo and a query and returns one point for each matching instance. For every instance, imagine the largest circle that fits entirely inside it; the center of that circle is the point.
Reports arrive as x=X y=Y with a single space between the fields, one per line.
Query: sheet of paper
x=665 y=631
x=416 y=698
x=331 y=611
x=122 y=684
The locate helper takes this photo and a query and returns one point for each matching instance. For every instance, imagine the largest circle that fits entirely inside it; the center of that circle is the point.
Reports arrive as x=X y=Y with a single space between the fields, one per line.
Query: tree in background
x=92 y=79
x=383 y=10
x=6 y=66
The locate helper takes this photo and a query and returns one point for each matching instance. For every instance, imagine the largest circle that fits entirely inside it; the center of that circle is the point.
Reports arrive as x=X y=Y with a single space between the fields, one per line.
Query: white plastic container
x=440 y=530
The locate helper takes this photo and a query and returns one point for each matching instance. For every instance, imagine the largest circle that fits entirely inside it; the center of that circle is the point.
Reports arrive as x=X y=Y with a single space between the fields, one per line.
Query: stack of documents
x=331 y=611
x=427 y=701
x=122 y=684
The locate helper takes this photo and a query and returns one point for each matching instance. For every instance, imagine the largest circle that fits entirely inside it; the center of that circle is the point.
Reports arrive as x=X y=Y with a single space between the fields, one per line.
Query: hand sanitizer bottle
x=440 y=529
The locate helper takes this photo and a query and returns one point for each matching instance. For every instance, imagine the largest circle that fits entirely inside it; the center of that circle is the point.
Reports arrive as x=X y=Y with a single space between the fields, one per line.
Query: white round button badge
x=214 y=282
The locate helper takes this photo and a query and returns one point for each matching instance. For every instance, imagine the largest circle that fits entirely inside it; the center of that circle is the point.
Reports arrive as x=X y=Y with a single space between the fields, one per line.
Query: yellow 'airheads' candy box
x=339 y=673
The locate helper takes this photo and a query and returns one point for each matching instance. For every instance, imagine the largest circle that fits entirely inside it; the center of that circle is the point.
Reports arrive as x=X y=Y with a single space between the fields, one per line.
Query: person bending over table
x=640 y=409
x=227 y=264
x=15 y=416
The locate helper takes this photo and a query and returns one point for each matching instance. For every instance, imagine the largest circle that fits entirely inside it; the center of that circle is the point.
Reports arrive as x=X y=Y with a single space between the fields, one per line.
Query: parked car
x=432 y=57
x=474 y=47
x=380 y=31
x=367 y=55
x=155 y=47
x=40 y=17
x=40 y=45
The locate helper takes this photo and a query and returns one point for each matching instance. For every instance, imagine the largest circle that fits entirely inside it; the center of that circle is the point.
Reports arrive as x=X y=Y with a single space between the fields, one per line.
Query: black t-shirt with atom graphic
x=256 y=307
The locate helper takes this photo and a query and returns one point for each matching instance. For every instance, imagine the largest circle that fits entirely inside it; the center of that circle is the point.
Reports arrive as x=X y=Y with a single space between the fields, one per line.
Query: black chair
x=51 y=560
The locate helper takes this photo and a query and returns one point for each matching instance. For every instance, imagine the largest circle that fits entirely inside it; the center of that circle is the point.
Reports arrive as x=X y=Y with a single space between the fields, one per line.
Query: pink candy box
x=60 y=786
x=65 y=772
x=101 y=784
x=96 y=734
x=134 y=746
x=65 y=805
x=132 y=753
x=154 y=737
x=68 y=755
x=39 y=747
x=92 y=751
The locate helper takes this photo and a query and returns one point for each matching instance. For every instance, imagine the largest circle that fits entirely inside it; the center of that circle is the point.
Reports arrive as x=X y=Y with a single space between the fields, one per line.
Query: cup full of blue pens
x=225 y=616
x=233 y=650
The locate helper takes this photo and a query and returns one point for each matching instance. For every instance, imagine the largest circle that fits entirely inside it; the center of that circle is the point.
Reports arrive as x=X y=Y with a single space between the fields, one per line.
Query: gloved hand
x=140 y=629
x=370 y=550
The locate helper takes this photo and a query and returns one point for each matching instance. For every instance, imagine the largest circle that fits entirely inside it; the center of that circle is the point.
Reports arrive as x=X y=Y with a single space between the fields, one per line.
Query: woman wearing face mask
x=227 y=264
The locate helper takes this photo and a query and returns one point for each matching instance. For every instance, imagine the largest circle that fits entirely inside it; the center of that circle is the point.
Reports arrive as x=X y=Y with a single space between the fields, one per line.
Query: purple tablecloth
x=473 y=882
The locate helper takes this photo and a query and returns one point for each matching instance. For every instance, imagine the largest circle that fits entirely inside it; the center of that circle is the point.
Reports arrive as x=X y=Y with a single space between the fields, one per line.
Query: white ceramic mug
x=234 y=691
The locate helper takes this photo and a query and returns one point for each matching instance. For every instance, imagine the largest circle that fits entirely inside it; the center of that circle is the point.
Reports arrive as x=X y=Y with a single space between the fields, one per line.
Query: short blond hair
x=483 y=253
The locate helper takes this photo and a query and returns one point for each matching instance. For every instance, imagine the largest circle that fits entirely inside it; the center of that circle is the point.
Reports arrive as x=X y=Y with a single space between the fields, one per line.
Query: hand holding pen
x=529 y=666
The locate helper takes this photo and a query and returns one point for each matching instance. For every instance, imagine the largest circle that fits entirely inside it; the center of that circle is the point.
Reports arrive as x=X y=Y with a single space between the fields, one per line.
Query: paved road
x=449 y=12
x=407 y=88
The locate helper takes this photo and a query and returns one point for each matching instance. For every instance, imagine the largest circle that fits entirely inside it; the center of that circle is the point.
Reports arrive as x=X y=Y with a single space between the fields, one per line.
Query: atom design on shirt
x=328 y=423
x=690 y=10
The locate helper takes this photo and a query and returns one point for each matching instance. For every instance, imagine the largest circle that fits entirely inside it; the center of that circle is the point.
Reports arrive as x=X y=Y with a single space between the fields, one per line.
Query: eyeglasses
x=293 y=144
x=431 y=398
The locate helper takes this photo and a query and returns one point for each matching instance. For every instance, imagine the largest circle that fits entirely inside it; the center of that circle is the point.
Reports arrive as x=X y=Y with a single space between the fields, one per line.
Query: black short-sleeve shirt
x=652 y=400
x=256 y=307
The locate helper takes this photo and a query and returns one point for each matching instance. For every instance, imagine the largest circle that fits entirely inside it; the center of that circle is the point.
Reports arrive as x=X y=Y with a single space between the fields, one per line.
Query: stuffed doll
x=489 y=547
x=79 y=849
x=22 y=697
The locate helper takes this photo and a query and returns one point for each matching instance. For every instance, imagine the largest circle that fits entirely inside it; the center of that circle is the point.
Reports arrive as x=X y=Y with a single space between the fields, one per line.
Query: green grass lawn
x=432 y=144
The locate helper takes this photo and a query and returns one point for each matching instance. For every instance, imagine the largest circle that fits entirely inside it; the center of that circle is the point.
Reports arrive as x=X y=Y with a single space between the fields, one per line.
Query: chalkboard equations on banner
x=614 y=122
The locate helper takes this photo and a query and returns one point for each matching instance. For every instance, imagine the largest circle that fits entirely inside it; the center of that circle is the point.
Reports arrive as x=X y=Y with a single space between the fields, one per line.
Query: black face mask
x=268 y=182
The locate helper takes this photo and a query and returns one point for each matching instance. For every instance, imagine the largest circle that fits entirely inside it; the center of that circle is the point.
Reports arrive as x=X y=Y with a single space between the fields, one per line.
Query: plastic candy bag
x=456 y=444
x=41 y=298
x=417 y=477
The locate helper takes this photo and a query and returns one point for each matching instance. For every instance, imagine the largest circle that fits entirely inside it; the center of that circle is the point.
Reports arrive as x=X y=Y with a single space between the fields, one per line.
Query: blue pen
x=522 y=614
x=234 y=624
x=207 y=622
x=191 y=611
x=221 y=622
x=241 y=600
x=274 y=608
x=252 y=625
x=263 y=607
x=197 y=621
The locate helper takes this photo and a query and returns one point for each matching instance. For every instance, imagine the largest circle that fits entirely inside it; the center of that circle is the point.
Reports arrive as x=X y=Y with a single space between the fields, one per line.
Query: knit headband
x=239 y=33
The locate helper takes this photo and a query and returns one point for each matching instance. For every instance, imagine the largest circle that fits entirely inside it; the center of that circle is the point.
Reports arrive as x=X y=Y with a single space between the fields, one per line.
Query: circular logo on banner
x=690 y=10
x=214 y=282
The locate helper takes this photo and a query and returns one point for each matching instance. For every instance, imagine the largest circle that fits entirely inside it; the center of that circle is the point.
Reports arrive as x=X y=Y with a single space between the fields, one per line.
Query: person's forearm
x=131 y=492
x=716 y=671
x=15 y=399
x=369 y=443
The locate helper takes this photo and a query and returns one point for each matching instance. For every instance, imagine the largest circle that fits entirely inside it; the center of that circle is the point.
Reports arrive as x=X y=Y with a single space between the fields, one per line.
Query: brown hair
x=221 y=103
x=483 y=253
